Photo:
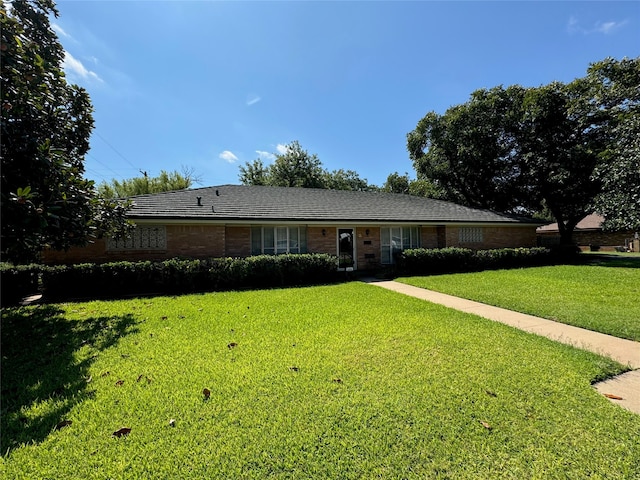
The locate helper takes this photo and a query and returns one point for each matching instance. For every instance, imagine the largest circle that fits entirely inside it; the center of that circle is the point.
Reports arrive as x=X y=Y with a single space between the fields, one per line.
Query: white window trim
x=413 y=242
x=275 y=239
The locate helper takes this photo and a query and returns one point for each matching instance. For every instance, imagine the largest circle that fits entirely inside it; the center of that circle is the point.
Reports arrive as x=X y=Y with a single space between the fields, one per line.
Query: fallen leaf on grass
x=293 y=368
x=164 y=317
x=62 y=424
x=613 y=397
x=121 y=432
x=490 y=393
x=207 y=393
x=485 y=425
x=337 y=380
x=232 y=345
x=119 y=383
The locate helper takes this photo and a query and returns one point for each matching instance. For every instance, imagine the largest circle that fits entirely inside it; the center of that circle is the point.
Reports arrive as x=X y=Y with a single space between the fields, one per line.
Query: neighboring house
x=588 y=234
x=364 y=229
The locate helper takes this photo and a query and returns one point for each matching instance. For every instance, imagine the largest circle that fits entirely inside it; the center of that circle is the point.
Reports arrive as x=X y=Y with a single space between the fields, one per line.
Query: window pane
x=294 y=246
x=303 y=239
x=385 y=258
x=385 y=236
x=415 y=237
x=406 y=238
x=396 y=238
x=256 y=240
x=281 y=240
x=268 y=240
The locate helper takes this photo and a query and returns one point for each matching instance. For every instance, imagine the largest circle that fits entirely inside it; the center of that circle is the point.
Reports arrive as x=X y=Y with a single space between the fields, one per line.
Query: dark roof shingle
x=256 y=203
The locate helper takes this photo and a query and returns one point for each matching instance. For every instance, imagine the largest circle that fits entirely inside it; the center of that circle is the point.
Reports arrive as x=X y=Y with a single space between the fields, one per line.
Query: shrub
x=177 y=276
x=435 y=260
x=422 y=261
x=17 y=282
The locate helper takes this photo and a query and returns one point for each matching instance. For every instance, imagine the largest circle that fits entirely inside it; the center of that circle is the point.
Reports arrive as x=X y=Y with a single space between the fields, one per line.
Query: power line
x=114 y=149
x=105 y=166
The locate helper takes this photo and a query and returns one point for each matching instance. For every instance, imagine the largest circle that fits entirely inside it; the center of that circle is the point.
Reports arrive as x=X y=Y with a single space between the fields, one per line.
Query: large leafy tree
x=296 y=167
x=164 y=182
x=616 y=92
x=468 y=152
x=418 y=187
x=46 y=124
x=518 y=150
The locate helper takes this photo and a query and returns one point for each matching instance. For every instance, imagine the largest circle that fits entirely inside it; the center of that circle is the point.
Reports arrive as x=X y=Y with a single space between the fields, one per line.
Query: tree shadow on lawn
x=606 y=260
x=39 y=363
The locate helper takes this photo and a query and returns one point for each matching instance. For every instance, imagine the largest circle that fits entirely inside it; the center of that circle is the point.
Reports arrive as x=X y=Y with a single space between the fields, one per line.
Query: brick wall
x=607 y=241
x=429 y=237
x=319 y=243
x=604 y=239
x=195 y=241
x=495 y=237
x=204 y=241
x=198 y=241
x=367 y=248
x=238 y=241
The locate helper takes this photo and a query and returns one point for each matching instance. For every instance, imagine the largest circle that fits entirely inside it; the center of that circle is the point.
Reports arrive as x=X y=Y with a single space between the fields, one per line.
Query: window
x=470 y=235
x=396 y=239
x=275 y=240
x=143 y=238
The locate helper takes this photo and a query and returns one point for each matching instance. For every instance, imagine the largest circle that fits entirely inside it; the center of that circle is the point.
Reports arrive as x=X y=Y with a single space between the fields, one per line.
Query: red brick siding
x=193 y=241
x=238 y=241
x=197 y=241
x=318 y=243
x=203 y=241
x=606 y=240
x=495 y=237
x=367 y=246
x=429 y=237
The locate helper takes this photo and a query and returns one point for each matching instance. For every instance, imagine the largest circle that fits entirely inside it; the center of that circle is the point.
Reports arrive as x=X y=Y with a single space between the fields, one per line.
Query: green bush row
x=17 y=282
x=109 y=280
x=422 y=261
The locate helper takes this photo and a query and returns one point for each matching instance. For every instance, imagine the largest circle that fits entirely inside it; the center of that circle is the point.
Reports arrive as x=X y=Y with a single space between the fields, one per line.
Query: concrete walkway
x=627 y=352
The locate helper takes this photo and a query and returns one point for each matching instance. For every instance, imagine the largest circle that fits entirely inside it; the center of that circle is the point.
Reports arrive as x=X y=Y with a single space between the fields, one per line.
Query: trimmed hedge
x=421 y=261
x=175 y=276
x=16 y=282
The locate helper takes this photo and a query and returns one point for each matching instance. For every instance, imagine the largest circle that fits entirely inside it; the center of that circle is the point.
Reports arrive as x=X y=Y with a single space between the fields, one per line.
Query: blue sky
x=212 y=85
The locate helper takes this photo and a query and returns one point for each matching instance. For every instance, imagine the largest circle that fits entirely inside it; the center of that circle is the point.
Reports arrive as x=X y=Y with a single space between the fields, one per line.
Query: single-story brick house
x=363 y=228
x=588 y=234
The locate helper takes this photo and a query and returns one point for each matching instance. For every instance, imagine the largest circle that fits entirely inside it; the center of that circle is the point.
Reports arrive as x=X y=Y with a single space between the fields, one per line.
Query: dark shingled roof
x=261 y=203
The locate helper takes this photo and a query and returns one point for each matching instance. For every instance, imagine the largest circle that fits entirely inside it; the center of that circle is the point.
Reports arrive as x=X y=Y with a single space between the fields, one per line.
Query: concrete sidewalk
x=626 y=352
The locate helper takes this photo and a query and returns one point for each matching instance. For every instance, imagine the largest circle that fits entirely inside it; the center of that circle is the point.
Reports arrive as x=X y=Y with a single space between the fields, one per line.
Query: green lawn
x=595 y=296
x=345 y=381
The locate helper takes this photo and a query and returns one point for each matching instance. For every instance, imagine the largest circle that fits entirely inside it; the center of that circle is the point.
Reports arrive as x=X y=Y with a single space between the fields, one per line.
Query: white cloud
x=228 y=156
x=606 y=28
x=252 y=99
x=282 y=149
x=74 y=68
x=265 y=155
x=572 y=25
x=59 y=30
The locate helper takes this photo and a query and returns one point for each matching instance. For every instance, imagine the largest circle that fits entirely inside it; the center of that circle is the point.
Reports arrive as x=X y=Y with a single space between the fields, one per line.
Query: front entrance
x=346 y=249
